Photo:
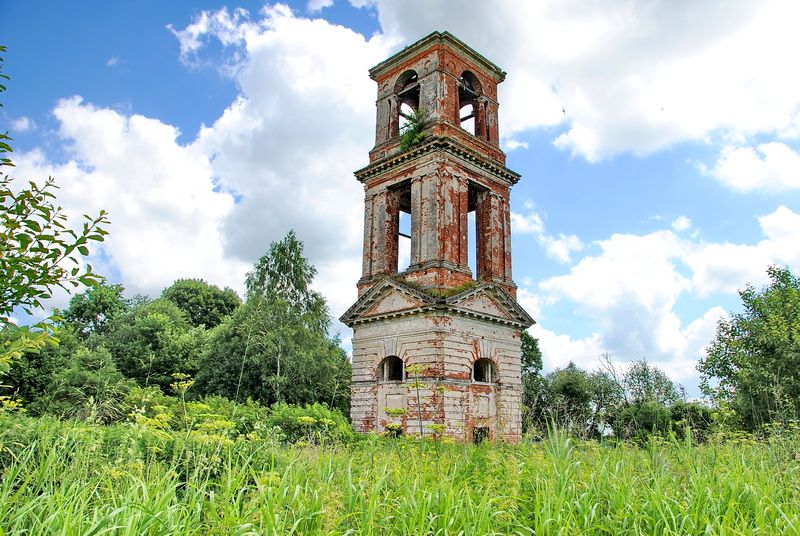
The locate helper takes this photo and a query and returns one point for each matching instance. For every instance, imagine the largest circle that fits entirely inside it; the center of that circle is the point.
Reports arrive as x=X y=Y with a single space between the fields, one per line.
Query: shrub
x=315 y=423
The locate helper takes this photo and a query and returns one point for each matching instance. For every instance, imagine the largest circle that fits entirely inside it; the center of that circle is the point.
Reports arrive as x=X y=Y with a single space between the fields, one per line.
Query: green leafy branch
x=413 y=132
x=38 y=251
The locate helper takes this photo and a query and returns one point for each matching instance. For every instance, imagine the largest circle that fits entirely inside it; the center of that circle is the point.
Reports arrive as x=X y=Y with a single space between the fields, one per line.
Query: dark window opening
x=480 y=434
x=484 y=371
x=394 y=430
x=390 y=369
x=469 y=92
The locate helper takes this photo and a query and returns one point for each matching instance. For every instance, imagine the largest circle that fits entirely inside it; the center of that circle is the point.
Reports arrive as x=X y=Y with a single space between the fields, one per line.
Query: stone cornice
x=437 y=38
x=430 y=304
x=447 y=145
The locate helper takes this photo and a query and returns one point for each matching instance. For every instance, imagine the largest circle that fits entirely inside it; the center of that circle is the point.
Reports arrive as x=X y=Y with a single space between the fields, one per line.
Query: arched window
x=406 y=90
x=390 y=369
x=469 y=90
x=484 y=371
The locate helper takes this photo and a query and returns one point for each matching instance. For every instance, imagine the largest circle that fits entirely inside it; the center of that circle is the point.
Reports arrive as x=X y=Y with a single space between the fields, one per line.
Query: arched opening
x=406 y=90
x=404 y=224
x=484 y=371
x=390 y=369
x=469 y=91
x=477 y=222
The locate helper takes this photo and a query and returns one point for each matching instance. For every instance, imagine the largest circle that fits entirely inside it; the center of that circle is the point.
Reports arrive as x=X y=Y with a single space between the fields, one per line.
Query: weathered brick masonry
x=462 y=330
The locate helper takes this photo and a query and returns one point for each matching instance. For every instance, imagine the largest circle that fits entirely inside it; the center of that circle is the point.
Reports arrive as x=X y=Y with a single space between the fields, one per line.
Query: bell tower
x=436 y=325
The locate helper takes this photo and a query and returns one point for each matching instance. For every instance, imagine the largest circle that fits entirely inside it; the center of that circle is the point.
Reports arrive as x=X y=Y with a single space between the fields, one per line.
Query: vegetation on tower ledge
x=413 y=133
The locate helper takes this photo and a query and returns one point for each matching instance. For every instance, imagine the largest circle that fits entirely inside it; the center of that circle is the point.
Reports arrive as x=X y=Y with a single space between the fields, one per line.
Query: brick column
x=463 y=216
x=482 y=235
x=383 y=228
x=480 y=117
x=416 y=219
x=366 y=268
x=452 y=212
x=506 y=213
x=490 y=226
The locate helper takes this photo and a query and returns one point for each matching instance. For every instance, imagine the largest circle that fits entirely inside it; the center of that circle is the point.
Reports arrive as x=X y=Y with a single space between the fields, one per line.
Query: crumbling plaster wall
x=440 y=185
x=446 y=347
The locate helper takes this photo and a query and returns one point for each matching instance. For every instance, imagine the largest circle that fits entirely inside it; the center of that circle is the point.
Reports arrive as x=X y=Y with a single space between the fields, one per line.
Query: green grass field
x=68 y=478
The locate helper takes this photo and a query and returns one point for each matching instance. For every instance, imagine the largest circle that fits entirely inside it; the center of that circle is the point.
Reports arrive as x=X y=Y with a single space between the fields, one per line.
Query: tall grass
x=67 y=478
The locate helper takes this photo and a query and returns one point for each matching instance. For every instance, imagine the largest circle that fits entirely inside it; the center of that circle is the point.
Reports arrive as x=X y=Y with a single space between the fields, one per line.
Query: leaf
x=33 y=225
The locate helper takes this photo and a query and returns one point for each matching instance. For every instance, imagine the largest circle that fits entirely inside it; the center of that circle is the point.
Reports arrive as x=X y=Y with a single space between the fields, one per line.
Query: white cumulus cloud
x=628 y=293
x=681 y=223
x=772 y=167
x=558 y=248
x=165 y=213
x=634 y=76
x=22 y=124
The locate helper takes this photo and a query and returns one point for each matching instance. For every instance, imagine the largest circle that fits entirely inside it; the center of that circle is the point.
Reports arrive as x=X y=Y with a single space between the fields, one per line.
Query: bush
x=691 y=416
x=315 y=423
x=89 y=389
x=639 y=421
x=213 y=415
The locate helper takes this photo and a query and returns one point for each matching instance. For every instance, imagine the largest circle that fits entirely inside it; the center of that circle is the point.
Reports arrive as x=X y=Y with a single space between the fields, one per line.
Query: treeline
x=750 y=375
x=201 y=358
x=633 y=404
x=117 y=354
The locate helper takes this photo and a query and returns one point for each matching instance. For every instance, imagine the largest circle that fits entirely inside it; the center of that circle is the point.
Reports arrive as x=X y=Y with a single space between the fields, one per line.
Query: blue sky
x=659 y=145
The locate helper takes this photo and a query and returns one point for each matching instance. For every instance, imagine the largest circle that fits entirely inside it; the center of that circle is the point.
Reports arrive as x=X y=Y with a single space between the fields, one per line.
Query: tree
x=90 y=388
x=275 y=347
x=753 y=364
x=204 y=304
x=647 y=383
x=641 y=400
x=413 y=132
x=32 y=373
x=607 y=396
x=283 y=278
x=533 y=384
x=531 y=354
x=263 y=354
x=570 y=398
x=152 y=342
x=38 y=253
x=93 y=310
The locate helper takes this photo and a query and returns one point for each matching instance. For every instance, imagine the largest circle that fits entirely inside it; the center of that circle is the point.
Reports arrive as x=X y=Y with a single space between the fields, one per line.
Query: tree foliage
x=32 y=373
x=275 y=347
x=39 y=252
x=94 y=309
x=647 y=383
x=753 y=364
x=90 y=388
x=283 y=276
x=413 y=132
x=534 y=392
x=531 y=354
x=152 y=342
x=633 y=404
x=204 y=304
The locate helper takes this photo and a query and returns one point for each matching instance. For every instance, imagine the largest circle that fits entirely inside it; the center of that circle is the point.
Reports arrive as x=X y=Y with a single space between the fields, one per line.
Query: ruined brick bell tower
x=456 y=333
